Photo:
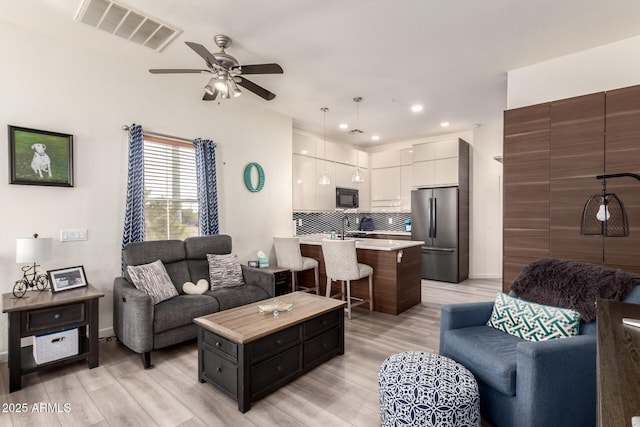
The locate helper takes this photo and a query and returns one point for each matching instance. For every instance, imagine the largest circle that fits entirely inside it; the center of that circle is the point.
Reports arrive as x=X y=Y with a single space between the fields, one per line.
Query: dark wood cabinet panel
x=526 y=187
x=512 y=266
x=552 y=154
x=623 y=155
x=577 y=156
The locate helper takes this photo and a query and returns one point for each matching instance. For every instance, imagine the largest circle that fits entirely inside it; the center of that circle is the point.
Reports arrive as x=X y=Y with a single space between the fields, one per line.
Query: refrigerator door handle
x=434 y=217
x=434 y=249
x=430 y=217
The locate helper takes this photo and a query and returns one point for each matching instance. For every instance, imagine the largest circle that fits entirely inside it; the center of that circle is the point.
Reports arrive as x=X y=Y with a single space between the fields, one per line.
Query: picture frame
x=40 y=157
x=67 y=278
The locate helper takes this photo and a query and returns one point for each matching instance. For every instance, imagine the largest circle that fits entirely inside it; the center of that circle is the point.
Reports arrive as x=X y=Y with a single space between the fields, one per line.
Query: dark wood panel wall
x=552 y=153
x=526 y=187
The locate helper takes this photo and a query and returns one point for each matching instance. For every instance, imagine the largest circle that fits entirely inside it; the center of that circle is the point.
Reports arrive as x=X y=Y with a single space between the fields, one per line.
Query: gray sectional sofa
x=143 y=326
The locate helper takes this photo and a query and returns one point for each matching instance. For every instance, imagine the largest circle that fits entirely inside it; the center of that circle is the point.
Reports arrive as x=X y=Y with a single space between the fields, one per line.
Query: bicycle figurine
x=38 y=281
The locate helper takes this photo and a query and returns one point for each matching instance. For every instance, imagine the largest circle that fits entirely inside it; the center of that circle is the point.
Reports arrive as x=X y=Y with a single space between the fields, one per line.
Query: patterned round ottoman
x=424 y=389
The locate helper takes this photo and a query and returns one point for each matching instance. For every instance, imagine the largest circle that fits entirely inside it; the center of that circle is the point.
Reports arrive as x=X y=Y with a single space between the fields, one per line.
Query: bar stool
x=288 y=256
x=341 y=263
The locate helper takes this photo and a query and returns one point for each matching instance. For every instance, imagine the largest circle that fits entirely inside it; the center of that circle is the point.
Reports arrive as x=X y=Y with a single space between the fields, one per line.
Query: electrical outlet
x=390 y=221
x=299 y=222
x=357 y=220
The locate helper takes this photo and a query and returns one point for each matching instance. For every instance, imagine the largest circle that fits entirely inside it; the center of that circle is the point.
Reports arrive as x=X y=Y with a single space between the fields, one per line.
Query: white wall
x=612 y=66
x=45 y=84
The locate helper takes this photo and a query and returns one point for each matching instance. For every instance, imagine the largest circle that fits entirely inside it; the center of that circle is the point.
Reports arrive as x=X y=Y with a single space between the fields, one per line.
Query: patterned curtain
x=207 y=186
x=134 y=215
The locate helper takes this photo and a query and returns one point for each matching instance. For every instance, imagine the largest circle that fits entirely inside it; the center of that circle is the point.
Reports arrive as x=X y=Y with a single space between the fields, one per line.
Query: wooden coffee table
x=248 y=355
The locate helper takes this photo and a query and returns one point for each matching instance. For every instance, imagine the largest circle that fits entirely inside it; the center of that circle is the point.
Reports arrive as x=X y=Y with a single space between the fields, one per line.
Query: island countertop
x=364 y=243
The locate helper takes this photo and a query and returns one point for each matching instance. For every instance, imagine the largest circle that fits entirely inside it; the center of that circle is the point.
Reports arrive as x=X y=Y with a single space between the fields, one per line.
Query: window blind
x=170 y=190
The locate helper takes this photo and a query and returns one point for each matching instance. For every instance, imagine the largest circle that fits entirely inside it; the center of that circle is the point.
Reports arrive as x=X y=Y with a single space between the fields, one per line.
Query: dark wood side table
x=618 y=364
x=282 y=276
x=39 y=313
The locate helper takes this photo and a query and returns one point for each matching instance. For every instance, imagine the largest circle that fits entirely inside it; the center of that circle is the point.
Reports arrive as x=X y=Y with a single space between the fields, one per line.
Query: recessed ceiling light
x=343 y=126
x=304 y=151
x=416 y=108
x=375 y=137
x=444 y=124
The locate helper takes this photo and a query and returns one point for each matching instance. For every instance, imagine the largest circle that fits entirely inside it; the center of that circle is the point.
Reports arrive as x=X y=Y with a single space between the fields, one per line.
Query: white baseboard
x=485 y=276
x=102 y=333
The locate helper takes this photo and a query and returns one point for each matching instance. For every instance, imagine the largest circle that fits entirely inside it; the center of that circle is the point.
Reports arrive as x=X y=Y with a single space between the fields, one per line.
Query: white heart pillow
x=200 y=288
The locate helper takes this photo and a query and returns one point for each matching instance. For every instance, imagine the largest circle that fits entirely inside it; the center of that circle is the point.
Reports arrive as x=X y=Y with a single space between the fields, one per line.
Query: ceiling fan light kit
x=227 y=70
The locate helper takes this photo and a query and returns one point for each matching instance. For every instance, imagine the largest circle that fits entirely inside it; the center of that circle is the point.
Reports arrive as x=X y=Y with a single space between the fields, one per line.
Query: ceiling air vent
x=121 y=20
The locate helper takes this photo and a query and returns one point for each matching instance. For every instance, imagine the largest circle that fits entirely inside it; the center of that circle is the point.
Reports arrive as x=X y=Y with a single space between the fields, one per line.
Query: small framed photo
x=40 y=157
x=67 y=278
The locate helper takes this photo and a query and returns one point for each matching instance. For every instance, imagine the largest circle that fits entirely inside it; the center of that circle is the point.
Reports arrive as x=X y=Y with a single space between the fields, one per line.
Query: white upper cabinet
x=385 y=159
x=311 y=155
x=304 y=145
x=437 y=164
x=391 y=181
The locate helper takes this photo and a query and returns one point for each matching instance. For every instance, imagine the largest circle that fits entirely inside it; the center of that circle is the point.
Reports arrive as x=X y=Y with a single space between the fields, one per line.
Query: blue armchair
x=524 y=383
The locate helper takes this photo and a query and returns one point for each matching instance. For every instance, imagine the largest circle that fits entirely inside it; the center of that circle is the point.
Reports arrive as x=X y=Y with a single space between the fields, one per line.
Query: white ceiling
x=452 y=56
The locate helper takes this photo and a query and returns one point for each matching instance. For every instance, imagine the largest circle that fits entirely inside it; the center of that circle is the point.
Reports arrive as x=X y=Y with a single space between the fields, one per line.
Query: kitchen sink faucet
x=345 y=218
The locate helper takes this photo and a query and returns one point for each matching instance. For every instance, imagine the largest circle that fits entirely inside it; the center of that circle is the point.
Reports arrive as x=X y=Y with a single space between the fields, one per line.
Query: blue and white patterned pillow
x=531 y=321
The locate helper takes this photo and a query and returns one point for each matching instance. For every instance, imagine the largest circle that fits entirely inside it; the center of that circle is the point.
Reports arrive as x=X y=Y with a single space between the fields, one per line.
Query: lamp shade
x=604 y=215
x=33 y=250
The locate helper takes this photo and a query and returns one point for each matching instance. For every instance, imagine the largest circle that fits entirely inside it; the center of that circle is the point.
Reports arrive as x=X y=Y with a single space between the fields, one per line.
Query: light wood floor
x=341 y=392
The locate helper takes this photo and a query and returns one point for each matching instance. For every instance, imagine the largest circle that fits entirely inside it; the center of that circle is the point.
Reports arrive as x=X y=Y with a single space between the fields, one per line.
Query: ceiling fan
x=228 y=73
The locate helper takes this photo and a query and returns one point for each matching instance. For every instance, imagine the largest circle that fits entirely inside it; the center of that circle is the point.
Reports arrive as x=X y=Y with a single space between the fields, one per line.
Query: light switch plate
x=73 y=235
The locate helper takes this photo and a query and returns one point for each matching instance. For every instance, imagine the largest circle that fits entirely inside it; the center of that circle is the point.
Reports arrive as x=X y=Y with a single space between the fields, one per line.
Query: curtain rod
x=162 y=135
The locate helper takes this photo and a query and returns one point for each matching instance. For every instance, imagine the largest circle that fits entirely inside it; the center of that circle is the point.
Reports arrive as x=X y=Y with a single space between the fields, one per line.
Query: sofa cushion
x=171 y=252
x=224 y=271
x=488 y=353
x=237 y=296
x=181 y=311
x=153 y=280
x=531 y=321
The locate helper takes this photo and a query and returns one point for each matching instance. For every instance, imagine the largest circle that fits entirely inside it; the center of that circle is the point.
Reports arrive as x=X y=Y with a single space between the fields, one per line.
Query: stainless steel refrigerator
x=435 y=219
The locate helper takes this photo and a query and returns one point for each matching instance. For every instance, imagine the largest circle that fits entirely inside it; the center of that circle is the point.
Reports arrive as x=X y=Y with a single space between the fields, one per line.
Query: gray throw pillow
x=153 y=280
x=224 y=271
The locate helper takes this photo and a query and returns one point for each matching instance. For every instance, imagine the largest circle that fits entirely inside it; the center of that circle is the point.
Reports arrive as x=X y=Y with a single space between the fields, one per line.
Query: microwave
x=346 y=198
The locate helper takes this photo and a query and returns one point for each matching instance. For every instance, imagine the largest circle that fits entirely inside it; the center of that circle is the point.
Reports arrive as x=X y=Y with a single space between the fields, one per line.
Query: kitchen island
x=396 y=271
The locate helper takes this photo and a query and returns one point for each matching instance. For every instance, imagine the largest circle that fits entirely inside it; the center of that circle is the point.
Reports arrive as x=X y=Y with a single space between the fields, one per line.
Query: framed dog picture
x=67 y=278
x=39 y=157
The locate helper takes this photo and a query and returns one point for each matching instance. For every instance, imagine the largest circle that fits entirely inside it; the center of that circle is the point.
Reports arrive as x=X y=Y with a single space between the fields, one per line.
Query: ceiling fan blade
x=208 y=97
x=205 y=54
x=177 y=70
x=261 y=69
x=258 y=90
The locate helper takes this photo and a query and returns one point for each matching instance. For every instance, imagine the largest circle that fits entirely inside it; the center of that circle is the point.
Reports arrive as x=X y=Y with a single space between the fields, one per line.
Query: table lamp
x=32 y=250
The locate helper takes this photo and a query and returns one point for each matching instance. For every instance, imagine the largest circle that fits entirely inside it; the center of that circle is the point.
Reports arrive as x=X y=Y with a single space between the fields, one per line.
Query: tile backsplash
x=324 y=222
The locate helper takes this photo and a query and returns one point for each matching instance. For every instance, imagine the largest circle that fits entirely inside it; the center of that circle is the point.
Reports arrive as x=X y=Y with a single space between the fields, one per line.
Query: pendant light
x=324 y=179
x=357 y=176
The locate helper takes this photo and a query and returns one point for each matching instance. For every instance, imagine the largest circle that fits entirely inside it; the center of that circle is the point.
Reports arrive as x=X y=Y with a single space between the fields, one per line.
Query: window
x=170 y=189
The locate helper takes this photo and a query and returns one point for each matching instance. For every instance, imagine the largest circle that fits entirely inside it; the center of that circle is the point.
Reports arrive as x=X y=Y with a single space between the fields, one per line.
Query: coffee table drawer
x=220 y=371
x=221 y=344
x=270 y=373
x=275 y=343
x=322 y=347
x=322 y=323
